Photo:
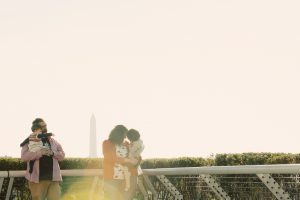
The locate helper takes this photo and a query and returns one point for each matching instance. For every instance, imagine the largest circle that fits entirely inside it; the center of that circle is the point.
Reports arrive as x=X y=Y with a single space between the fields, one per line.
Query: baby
x=36 y=139
x=136 y=147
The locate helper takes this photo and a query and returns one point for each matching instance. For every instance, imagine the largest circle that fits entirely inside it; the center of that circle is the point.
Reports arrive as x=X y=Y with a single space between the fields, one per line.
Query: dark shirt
x=46 y=166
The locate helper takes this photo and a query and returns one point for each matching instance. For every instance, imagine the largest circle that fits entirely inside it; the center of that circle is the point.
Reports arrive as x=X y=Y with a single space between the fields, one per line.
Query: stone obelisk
x=93 y=137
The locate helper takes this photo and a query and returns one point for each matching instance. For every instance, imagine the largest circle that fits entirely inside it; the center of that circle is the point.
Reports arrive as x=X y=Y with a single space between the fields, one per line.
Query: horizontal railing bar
x=241 y=169
x=3 y=174
x=82 y=172
x=69 y=172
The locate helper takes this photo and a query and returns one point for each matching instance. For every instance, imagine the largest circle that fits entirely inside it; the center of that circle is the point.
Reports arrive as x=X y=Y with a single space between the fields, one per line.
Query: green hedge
x=11 y=164
x=68 y=163
x=217 y=160
x=81 y=163
x=256 y=159
x=174 y=162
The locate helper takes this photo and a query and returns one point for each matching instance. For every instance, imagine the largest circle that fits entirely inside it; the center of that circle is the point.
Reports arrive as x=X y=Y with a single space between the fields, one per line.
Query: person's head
x=40 y=122
x=133 y=135
x=118 y=134
x=35 y=128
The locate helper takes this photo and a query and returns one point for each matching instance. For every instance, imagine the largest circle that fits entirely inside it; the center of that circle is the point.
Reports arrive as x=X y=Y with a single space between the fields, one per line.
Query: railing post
x=3 y=175
x=11 y=181
x=170 y=187
x=274 y=187
x=218 y=190
x=1 y=183
x=142 y=188
x=150 y=186
x=94 y=184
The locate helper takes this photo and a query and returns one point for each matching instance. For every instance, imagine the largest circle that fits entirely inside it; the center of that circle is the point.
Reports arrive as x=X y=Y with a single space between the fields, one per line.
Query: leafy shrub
x=218 y=160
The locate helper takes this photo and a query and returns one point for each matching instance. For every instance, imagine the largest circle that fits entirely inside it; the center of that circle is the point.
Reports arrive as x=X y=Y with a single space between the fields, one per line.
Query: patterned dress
x=121 y=151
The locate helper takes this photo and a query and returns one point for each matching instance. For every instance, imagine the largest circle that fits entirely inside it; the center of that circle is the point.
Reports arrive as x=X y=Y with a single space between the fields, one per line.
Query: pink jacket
x=59 y=155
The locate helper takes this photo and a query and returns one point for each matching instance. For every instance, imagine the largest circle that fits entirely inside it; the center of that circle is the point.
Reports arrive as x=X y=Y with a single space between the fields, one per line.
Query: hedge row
x=68 y=163
x=217 y=160
x=256 y=159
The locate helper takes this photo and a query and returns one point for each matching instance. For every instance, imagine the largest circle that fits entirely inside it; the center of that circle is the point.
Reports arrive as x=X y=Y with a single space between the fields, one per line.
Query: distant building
x=93 y=138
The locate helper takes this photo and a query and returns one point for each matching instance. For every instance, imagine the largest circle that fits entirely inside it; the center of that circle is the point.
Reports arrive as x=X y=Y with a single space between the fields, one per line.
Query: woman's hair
x=133 y=135
x=117 y=134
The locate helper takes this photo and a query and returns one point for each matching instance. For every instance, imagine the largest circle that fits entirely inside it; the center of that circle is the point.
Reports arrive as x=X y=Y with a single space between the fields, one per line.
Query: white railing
x=209 y=175
x=241 y=169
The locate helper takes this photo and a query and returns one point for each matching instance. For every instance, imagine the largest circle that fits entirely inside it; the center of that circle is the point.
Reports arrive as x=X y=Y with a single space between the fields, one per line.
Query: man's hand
x=47 y=152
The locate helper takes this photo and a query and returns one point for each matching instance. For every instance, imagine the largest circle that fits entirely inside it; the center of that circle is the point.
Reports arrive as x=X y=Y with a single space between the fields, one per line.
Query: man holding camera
x=43 y=171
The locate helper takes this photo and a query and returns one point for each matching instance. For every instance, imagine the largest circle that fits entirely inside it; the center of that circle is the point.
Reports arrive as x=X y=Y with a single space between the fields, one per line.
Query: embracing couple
x=120 y=164
x=122 y=156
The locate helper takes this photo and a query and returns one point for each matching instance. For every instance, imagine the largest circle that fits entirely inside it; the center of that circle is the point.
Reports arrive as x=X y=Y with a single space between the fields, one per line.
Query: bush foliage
x=217 y=160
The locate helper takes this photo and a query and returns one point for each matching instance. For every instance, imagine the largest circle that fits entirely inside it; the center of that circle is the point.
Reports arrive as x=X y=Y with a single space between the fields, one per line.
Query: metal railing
x=189 y=183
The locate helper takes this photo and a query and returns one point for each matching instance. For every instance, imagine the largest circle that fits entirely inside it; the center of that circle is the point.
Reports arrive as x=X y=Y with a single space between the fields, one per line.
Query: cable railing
x=249 y=182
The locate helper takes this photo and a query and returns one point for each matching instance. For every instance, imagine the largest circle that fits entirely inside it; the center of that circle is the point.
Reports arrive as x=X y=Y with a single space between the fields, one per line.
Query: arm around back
x=26 y=155
x=109 y=153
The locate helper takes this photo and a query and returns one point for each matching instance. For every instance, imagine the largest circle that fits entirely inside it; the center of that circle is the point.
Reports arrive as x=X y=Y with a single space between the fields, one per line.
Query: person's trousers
x=45 y=189
x=114 y=189
x=132 y=189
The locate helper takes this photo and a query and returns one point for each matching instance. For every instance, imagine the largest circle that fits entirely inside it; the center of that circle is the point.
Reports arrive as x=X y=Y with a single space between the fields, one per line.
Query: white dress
x=135 y=150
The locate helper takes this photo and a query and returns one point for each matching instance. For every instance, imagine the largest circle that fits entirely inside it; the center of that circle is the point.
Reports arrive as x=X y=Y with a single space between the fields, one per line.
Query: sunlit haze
x=194 y=77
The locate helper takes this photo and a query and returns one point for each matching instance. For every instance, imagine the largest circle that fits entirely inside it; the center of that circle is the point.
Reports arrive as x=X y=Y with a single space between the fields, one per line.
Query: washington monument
x=93 y=138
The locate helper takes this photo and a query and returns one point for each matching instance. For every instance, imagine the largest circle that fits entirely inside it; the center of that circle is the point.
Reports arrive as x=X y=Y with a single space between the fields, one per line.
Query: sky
x=195 y=78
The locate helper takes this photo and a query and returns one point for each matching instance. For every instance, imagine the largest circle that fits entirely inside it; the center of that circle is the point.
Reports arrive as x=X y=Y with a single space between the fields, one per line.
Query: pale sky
x=194 y=77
